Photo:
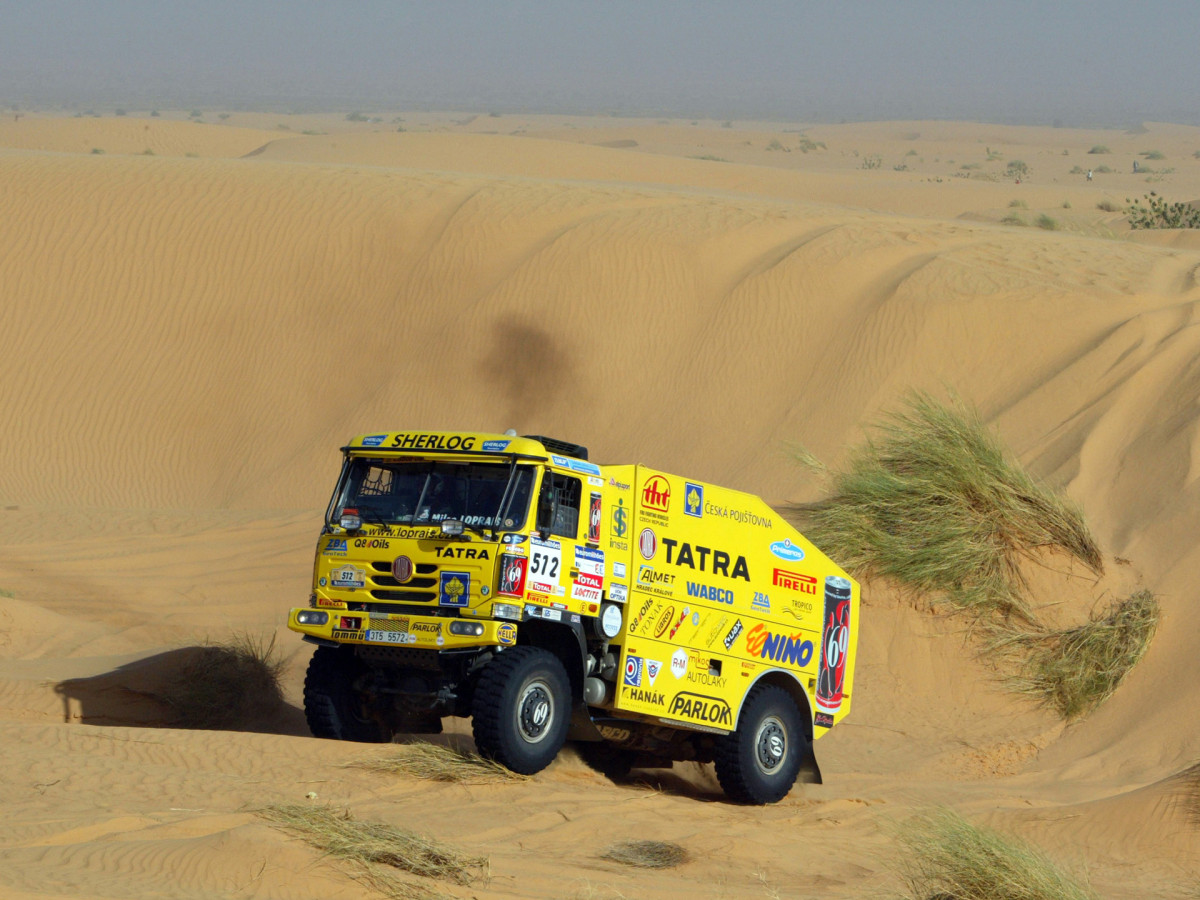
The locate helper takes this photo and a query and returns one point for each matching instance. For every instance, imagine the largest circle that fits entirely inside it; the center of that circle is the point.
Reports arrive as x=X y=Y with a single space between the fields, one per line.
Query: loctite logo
x=794 y=650
x=657 y=494
x=712 y=710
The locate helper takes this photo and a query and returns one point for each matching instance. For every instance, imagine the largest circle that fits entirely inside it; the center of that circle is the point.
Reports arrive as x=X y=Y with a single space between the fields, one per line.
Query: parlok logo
x=657 y=494
x=712 y=710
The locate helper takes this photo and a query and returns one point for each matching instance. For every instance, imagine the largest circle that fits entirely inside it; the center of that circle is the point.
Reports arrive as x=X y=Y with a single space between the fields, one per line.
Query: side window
x=558 y=505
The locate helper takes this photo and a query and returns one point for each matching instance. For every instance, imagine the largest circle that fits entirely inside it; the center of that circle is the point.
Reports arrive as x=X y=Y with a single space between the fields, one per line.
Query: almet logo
x=710 y=710
x=794 y=650
x=657 y=494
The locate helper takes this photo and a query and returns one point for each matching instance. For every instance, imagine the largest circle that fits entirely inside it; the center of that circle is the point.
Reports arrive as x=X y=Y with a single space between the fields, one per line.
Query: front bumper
x=394 y=630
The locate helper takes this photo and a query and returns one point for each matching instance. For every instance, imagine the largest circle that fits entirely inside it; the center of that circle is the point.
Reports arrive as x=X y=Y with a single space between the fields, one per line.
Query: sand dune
x=187 y=342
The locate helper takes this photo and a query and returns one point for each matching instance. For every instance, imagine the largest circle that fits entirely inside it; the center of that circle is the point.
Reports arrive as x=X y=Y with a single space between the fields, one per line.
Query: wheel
x=611 y=761
x=333 y=705
x=759 y=762
x=521 y=709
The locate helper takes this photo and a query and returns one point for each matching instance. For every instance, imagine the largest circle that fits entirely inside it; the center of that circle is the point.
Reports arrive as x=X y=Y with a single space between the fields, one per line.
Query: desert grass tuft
x=647 y=854
x=227 y=686
x=947 y=857
x=366 y=844
x=1076 y=669
x=937 y=505
x=434 y=762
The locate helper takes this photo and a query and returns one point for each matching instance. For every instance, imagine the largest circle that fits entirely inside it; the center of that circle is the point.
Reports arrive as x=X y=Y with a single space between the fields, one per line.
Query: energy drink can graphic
x=594 y=520
x=835 y=644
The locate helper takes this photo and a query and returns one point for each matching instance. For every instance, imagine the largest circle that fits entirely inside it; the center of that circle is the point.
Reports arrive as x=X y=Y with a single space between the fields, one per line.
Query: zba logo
x=620 y=523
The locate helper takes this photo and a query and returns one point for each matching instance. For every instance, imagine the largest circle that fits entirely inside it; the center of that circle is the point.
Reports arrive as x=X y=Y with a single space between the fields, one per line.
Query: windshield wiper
x=374 y=517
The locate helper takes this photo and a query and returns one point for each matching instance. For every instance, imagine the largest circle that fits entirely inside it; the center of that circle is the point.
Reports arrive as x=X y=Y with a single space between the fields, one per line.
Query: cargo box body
x=722 y=592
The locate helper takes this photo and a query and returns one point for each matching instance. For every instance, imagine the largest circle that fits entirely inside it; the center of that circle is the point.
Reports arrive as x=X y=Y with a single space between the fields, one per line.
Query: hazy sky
x=1100 y=62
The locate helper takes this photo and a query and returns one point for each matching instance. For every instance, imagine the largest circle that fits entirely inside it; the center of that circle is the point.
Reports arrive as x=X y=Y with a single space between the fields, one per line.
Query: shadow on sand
x=192 y=687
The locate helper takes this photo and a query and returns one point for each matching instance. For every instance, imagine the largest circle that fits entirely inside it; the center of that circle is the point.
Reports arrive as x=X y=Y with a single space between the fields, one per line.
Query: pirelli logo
x=794 y=581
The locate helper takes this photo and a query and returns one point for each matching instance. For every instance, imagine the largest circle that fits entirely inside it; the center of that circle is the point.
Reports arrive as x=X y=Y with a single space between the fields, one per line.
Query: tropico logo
x=657 y=494
x=648 y=543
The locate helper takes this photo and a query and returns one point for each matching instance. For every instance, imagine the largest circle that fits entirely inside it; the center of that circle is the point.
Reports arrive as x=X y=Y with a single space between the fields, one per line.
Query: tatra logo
x=434 y=442
x=462 y=552
x=794 y=581
x=712 y=710
x=657 y=494
x=794 y=650
x=720 y=559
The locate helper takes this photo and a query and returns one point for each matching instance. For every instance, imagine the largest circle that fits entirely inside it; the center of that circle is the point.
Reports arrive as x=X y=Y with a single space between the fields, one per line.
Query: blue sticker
x=787 y=550
x=575 y=465
x=336 y=547
x=374 y=440
x=495 y=446
x=455 y=589
x=633 y=671
x=693 y=499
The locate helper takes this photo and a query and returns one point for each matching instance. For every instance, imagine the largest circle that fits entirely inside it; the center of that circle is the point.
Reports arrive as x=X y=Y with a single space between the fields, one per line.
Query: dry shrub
x=937 y=505
x=647 y=854
x=227 y=686
x=948 y=858
x=1076 y=669
x=370 y=845
x=434 y=762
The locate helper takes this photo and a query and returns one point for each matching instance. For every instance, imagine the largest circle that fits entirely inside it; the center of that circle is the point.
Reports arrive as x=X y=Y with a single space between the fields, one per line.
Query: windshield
x=408 y=492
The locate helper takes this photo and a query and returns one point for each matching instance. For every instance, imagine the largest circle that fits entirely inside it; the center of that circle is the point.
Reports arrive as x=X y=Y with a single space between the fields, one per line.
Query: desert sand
x=195 y=315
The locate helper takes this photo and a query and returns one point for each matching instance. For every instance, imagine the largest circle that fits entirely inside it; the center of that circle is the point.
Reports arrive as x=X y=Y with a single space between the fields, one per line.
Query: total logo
x=648 y=543
x=657 y=494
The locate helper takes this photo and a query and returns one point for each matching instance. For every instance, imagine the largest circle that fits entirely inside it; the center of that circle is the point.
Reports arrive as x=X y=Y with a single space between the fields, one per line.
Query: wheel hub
x=535 y=712
x=771 y=745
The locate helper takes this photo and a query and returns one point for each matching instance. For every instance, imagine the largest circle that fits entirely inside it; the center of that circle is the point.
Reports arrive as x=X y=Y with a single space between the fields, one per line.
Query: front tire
x=759 y=762
x=334 y=706
x=521 y=709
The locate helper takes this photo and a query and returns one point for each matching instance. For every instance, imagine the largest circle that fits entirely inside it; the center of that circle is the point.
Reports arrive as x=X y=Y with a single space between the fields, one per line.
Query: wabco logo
x=794 y=650
x=711 y=710
x=657 y=494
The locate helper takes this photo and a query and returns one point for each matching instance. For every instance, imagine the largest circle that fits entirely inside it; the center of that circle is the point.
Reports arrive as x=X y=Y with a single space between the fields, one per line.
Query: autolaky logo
x=657 y=494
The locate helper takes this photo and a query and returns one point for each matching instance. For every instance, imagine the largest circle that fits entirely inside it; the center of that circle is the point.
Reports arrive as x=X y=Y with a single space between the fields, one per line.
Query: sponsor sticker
x=618 y=570
x=495 y=446
x=454 y=589
x=374 y=440
x=575 y=465
x=785 y=549
x=679 y=663
x=348 y=577
x=545 y=564
x=761 y=601
x=653 y=667
x=693 y=499
x=590 y=561
x=506 y=634
x=656 y=494
x=633 y=671
x=336 y=547
x=647 y=543
x=618 y=593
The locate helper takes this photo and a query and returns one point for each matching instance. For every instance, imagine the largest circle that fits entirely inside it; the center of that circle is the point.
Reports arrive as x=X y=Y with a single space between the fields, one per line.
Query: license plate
x=391 y=637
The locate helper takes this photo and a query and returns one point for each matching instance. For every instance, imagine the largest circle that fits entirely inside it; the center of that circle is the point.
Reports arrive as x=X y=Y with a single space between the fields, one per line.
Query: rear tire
x=759 y=762
x=521 y=709
x=334 y=705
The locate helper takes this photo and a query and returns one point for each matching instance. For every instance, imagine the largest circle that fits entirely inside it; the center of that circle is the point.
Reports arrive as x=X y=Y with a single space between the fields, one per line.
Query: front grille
x=402 y=596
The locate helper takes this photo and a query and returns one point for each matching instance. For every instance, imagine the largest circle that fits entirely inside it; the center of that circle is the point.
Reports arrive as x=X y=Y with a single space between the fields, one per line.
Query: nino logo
x=794 y=650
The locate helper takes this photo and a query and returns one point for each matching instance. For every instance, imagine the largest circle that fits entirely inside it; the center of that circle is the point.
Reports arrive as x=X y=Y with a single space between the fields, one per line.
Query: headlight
x=312 y=617
x=463 y=627
x=506 y=611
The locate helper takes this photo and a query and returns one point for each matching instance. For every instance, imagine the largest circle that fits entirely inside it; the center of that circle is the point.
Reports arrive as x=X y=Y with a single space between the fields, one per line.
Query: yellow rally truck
x=649 y=617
